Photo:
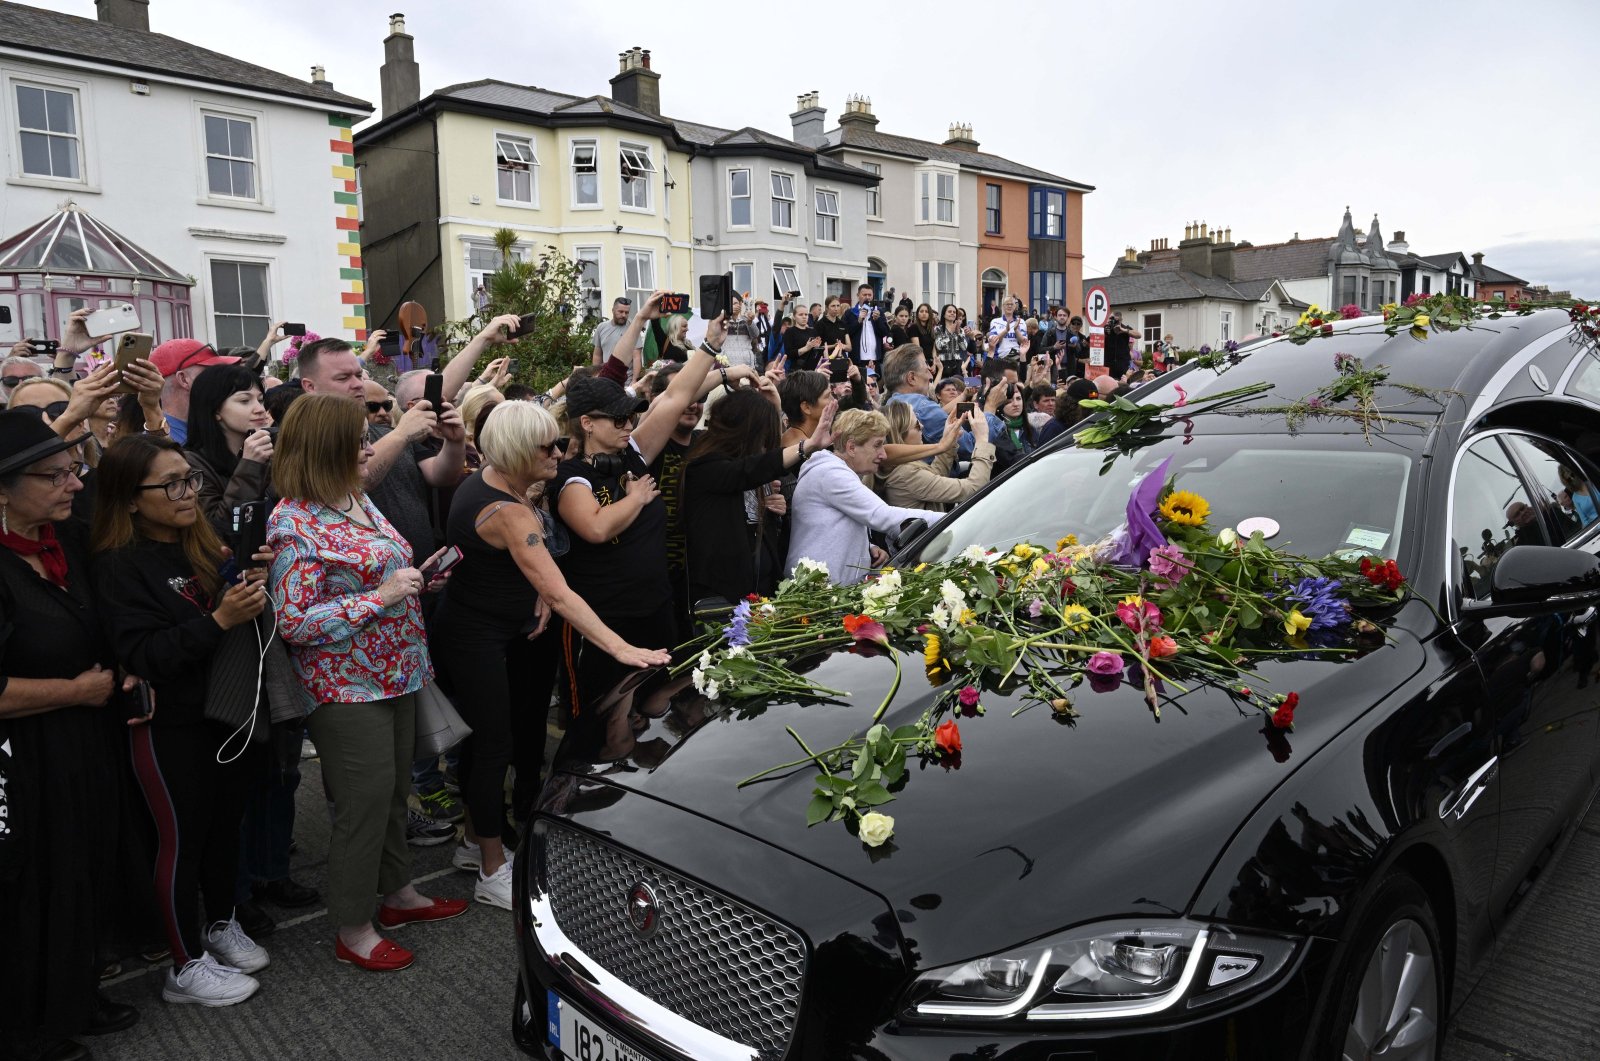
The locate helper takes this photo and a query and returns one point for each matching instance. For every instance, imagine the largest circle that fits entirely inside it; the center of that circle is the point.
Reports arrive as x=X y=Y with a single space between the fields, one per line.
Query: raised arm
x=459 y=369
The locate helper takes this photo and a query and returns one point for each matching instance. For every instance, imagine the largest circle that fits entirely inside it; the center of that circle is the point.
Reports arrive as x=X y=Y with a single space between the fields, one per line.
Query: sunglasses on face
x=59 y=477
x=549 y=448
x=178 y=489
x=380 y=407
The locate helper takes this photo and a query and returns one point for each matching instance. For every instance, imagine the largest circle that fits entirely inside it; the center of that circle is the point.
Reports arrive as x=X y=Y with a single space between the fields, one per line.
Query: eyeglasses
x=364 y=443
x=621 y=423
x=178 y=489
x=12 y=381
x=59 y=477
x=56 y=409
x=549 y=448
x=380 y=407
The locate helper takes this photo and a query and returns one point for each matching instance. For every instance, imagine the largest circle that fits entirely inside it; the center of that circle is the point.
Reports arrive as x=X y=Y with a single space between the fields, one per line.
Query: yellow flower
x=1069 y=540
x=1133 y=600
x=921 y=568
x=932 y=652
x=1314 y=311
x=1294 y=623
x=1041 y=566
x=1024 y=551
x=1420 y=320
x=1388 y=309
x=1185 y=509
x=1076 y=616
x=968 y=617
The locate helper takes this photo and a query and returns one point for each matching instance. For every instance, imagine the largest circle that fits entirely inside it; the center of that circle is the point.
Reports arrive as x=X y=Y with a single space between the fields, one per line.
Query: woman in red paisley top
x=345 y=590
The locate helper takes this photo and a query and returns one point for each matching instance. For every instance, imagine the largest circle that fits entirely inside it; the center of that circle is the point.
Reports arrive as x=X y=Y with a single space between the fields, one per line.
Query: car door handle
x=1457 y=805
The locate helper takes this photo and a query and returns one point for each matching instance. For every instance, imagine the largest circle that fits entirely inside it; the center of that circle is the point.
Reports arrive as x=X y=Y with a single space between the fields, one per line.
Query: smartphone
x=249 y=532
x=675 y=303
x=433 y=392
x=294 y=329
x=839 y=369
x=447 y=559
x=716 y=296
x=112 y=319
x=43 y=347
x=5 y=314
x=141 y=701
x=134 y=346
x=433 y=366
x=511 y=366
x=964 y=408
x=524 y=326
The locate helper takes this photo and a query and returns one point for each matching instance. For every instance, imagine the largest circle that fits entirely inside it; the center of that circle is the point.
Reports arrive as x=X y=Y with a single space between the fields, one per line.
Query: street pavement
x=1537 y=1004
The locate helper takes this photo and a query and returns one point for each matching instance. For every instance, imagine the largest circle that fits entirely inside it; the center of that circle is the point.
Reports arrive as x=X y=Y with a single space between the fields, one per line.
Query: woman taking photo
x=498 y=601
x=345 y=591
x=228 y=442
x=166 y=609
x=930 y=486
x=834 y=512
x=733 y=504
x=65 y=767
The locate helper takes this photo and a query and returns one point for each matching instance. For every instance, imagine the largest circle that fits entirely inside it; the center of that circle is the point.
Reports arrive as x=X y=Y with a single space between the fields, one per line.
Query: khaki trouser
x=366 y=752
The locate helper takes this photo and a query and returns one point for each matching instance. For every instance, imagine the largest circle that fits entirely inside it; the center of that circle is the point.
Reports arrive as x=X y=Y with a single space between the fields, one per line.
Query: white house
x=217 y=195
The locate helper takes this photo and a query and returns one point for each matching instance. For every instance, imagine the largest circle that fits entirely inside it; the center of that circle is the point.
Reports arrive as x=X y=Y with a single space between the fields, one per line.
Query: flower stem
x=895 y=688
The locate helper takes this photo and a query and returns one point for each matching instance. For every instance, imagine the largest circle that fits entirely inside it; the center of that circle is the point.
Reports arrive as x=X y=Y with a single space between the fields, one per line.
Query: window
x=783 y=200
x=1491 y=512
x=483 y=260
x=588 y=259
x=784 y=280
x=1363 y=302
x=744 y=279
x=739 y=212
x=991 y=209
x=47 y=122
x=1151 y=331
x=1047 y=213
x=636 y=169
x=1349 y=290
x=585 y=173
x=1558 y=477
x=1045 y=289
x=874 y=209
x=947 y=197
x=639 y=275
x=827 y=216
x=938 y=282
x=938 y=196
x=239 y=303
x=1225 y=326
x=230 y=156
x=1427 y=285
x=1500 y=296
x=514 y=169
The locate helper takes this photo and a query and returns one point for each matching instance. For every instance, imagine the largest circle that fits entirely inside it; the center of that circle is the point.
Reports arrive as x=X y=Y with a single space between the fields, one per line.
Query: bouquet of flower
x=1165 y=603
x=298 y=343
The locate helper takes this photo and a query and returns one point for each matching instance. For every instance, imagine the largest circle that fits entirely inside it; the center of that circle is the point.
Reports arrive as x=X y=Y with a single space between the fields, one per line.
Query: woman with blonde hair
x=345 y=590
x=833 y=511
x=498 y=601
x=929 y=486
x=476 y=405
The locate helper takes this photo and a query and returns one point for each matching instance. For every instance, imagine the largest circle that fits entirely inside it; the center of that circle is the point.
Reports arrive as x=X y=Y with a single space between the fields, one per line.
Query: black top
x=47 y=632
x=668 y=472
x=723 y=558
x=625 y=577
x=833 y=332
x=924 y=337
x=488 y=579
x=159 y=620
x=793 y=340
x=405 y=498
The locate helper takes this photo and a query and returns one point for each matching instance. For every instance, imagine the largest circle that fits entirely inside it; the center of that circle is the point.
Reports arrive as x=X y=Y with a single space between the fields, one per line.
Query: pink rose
x=1105 y=664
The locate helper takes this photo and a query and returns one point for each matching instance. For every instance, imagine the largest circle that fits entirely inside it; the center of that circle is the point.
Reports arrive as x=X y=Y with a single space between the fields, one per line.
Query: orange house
x=1030 y=243
x=1003 y=265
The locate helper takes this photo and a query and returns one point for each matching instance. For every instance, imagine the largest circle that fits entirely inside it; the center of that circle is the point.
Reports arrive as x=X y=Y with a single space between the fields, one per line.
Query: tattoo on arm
x=533 y=540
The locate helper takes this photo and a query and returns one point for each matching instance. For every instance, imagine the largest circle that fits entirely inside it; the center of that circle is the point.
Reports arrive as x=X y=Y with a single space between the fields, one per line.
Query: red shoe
x=438 y=910
x=386 y=957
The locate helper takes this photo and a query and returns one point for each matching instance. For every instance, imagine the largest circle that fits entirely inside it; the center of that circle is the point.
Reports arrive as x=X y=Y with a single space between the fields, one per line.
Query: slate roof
x=1266 y=261
x=53 y=33
x=1488 y=274
x=855 y=134
x=1442 y=262
x=1176 y=286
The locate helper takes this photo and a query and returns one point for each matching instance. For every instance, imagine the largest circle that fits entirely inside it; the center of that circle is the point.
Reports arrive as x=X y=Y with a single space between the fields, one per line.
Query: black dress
x=66 y=792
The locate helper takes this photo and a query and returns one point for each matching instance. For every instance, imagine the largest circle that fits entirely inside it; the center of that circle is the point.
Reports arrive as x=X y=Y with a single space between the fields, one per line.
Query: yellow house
x=605 y=180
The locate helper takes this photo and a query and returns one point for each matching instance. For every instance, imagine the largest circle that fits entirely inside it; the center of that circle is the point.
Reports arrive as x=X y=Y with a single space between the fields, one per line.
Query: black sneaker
x=441 y=805
x=423 y=831
x=255 y=921
x=288 y=893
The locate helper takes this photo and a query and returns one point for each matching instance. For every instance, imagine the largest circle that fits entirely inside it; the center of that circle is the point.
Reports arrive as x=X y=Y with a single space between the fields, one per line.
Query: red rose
x=1283 y=715
x=1162 y=647
x=1327 y=329
x=948 y=738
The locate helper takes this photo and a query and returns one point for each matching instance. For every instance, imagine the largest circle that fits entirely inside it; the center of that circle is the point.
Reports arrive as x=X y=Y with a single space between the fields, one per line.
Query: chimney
x=1477 y=261
x=127 y=14
x=809 y=120
x=399 y=78
x=1399 y=244
x=961 y=137
x=1222 y=254
x=858 y=109
x=1132 y=261
x=1194 y=253
x=636 y=85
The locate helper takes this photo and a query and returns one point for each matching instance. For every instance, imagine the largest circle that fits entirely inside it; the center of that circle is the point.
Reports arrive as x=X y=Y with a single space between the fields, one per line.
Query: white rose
x=1228 y=538
x=941 y=616
x=975 y=553
x=699 y=680
x=711 y=690
x=875 y=828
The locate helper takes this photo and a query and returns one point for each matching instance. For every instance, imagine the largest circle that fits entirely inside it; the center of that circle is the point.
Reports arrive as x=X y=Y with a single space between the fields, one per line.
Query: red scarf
x=47 y=549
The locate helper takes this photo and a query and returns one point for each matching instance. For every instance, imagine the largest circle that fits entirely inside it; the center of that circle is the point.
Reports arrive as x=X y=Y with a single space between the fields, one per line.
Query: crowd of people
x=157 y=684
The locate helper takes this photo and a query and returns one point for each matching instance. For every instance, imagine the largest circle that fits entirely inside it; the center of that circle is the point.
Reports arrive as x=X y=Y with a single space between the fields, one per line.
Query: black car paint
x=1194 y=814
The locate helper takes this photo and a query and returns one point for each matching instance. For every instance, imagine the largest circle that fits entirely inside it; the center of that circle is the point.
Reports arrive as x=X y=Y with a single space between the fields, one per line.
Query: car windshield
x=1326 y=493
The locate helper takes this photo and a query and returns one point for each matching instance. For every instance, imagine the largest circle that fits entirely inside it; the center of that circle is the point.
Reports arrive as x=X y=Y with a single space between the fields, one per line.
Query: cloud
x=1563 y=264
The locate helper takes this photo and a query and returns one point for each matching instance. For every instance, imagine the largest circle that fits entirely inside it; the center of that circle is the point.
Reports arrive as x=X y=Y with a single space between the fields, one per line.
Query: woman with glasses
x=166 y=610
x=228 y=444
x=346 y=590
x=498 y=601
x=64 y=763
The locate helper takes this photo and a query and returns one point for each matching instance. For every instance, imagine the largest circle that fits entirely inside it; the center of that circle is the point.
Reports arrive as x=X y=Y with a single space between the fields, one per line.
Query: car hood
x=1044 y=824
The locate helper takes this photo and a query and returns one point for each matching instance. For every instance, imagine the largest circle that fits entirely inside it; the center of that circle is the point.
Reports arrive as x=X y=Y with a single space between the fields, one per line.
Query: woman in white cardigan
x=833 y=511
x=928 y=485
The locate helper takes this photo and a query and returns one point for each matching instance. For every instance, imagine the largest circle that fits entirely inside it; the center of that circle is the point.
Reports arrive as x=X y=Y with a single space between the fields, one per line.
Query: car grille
x=711 y=960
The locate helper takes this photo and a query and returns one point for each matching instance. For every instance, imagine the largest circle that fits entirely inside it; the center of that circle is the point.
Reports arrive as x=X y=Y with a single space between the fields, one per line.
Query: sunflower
x=933 y=660
x=1185 y=509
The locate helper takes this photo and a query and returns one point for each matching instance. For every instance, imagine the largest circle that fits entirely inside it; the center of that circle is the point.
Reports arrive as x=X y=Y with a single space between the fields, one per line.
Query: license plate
x=581 y=1039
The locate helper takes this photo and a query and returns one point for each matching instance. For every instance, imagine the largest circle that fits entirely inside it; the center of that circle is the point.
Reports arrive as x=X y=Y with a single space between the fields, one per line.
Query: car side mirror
x=909 y=531
x=1539 y=580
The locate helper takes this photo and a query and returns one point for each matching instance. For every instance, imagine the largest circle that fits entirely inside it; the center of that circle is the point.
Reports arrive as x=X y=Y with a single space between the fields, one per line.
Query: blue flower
x=1231 y=346
x=1318 y=599
x=737 y=631
x=1205 y=349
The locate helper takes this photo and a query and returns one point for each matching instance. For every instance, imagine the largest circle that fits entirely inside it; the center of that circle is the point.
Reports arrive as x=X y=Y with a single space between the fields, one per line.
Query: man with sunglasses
x=380 y=405
x=13 y=370
x=179 y=362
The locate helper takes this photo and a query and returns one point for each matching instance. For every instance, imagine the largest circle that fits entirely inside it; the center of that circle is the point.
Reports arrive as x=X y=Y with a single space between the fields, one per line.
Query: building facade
x=236 y=180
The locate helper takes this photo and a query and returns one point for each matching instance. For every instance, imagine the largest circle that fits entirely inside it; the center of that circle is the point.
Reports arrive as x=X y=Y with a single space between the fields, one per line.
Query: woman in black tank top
x=487 y=630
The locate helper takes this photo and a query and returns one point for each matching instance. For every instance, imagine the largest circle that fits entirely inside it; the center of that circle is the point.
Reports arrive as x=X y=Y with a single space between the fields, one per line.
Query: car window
x=1585 y=382
x=1571 y=499
x=1490 y=512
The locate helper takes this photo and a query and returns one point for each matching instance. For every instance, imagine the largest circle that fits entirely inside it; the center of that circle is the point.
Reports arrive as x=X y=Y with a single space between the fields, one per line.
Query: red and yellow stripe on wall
x=346 y=227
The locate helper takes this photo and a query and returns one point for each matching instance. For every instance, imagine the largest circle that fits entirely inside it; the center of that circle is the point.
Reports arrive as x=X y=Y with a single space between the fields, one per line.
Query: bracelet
x=708 y=348
x=724 y=374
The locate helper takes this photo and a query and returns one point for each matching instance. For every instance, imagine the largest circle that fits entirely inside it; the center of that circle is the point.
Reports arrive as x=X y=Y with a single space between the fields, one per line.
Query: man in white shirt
x=1006 y=331
x=867 y=329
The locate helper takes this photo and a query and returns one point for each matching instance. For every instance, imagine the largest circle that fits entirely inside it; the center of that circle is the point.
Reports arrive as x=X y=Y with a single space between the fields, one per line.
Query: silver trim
x=637 y=1014
x=973 y=1009
x=1456 y=806
x=1146 y=1008
x=1508 y=371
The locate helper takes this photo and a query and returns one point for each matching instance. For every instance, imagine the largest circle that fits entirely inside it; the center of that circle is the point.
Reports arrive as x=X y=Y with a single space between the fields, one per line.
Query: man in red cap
x=180 y=361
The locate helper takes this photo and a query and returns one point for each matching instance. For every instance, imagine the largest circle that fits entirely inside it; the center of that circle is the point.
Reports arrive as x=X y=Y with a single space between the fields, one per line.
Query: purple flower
x=1231 y=346
x=1344 y=362
x=1105 y=664
x=1314 y=403
x=1035 y=608
x=1205 y=348
x=1102 y=683
x=1169 y=563
x=737 y=631
x=968 y=696
x=1133 y=544
x=1318 y=600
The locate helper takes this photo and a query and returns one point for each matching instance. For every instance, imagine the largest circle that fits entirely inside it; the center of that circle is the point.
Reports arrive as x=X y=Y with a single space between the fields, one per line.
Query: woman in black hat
x=605 y=497
x=61 y=750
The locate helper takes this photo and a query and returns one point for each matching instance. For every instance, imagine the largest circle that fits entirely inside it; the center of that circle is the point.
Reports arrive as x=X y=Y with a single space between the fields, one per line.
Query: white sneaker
x=468 y=856
x=495 y=889
x=206 y=982
x=235 y=949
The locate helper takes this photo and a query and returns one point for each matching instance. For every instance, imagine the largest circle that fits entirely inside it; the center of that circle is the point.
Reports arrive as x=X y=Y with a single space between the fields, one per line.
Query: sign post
x=1097 y=311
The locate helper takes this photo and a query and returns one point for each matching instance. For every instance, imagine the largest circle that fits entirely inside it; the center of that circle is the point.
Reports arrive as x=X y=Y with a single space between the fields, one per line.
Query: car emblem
x=643 y=912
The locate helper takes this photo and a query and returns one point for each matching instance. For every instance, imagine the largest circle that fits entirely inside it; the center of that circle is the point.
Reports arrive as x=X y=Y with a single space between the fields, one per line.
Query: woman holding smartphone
x=228 y=441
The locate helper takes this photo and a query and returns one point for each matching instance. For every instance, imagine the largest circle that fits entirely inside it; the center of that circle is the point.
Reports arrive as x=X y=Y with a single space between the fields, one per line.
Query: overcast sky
x=1469 y=125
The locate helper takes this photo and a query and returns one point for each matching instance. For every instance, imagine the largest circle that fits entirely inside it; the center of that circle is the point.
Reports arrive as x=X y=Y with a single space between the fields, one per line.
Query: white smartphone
x=111 y=320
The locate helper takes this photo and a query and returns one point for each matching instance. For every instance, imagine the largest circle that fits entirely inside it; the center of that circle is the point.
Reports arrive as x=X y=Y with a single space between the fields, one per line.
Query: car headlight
x=1114 y=969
